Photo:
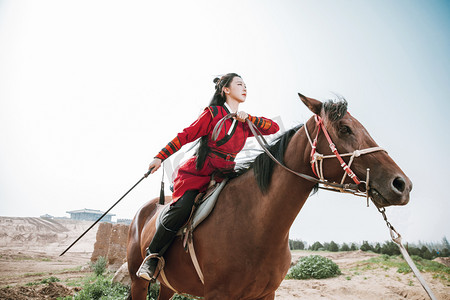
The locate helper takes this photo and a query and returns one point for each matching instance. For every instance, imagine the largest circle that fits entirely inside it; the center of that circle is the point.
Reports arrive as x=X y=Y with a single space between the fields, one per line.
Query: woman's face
x=236 y=90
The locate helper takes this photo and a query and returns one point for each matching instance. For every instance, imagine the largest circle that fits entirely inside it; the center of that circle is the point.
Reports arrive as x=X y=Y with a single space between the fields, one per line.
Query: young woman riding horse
x=195 y=174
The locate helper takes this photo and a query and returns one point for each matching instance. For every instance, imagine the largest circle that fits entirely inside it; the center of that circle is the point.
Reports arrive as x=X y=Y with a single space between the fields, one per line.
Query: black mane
x=263 y=165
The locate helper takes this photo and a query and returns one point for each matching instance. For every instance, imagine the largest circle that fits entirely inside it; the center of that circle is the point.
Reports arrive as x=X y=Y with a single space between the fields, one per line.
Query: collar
x=227 y=107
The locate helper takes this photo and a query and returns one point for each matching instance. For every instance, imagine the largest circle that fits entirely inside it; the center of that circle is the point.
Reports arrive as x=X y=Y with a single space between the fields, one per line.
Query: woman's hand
x=241 y=116
x=155 y=164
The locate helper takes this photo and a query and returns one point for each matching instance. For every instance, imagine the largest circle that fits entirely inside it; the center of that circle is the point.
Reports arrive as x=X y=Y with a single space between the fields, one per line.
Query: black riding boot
x=172 y=221
x=159 y=244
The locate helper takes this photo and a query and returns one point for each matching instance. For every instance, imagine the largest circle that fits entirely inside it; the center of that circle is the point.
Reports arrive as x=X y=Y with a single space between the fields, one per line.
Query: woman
x=195 y=174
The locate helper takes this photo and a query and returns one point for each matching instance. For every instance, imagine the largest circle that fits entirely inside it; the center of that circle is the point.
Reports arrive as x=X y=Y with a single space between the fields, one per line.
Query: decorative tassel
x=161 y=193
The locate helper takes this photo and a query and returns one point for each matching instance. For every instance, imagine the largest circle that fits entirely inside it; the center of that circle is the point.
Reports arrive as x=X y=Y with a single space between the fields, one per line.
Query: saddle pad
x=207 y=205
x=203 y=211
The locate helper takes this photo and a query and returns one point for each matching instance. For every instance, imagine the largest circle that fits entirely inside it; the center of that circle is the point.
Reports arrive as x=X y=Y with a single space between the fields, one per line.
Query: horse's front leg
x=139 y=289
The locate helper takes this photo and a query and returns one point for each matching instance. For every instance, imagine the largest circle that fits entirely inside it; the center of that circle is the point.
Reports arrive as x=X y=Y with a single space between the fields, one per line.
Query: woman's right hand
x=155 y=164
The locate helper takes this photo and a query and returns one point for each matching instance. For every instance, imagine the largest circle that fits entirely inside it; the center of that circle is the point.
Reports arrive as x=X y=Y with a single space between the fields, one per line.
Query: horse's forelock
x=335 y=109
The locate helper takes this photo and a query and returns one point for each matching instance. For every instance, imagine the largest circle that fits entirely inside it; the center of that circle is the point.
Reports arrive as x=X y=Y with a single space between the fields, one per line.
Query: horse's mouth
x=378 y=199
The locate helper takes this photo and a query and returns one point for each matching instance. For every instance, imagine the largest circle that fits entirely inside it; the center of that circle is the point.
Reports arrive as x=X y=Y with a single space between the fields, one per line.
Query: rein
x=359 y=188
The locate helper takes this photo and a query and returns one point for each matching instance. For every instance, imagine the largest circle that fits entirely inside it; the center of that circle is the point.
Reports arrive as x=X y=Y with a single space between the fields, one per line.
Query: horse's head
x=388 y=184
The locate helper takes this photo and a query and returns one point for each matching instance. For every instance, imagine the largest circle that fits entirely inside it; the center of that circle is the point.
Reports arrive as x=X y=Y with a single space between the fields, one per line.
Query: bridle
x=317 y=158
x=358 y=188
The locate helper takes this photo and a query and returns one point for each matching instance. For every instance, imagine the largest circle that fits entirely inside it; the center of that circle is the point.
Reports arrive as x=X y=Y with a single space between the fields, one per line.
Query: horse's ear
x=314 y=105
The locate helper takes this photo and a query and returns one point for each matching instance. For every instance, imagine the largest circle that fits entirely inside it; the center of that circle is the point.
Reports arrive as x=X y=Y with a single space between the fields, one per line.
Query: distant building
x=46 y=216
x=89 y=215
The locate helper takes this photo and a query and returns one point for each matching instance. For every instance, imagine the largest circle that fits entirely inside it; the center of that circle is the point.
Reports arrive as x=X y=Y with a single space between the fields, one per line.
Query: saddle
x=203 y=205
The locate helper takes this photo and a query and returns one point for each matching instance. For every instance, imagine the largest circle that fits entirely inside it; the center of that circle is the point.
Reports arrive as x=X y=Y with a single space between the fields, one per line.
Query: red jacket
x=229 y=143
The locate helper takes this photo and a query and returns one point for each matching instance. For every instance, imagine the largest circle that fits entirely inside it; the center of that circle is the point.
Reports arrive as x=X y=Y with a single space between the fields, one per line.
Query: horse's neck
x=287 y=192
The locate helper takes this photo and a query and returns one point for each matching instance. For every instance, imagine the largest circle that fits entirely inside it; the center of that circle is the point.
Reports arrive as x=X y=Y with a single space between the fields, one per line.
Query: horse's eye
x=345 y=130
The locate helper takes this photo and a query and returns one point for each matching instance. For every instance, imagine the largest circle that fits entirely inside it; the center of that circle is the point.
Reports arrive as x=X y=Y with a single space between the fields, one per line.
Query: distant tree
x=353 y=247
x=366 y=246
x=296 y=245
x=377 y=248
x=345 y=247
x=434 y=254
x=326 y=246
x=390 y=248
x=316 y=246
x=444 y=252
x=425 y=253
x=445 y=243
x=333 y=247
x=414 y=251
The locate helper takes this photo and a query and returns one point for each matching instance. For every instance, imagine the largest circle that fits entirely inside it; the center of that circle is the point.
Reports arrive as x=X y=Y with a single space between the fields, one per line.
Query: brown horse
x=242 y=247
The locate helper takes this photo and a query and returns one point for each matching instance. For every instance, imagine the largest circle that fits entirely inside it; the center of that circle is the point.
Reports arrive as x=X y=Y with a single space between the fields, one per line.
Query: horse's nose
x=400 y=185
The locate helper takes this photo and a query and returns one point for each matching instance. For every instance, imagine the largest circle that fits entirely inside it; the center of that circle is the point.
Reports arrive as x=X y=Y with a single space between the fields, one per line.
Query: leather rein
x=358 y=188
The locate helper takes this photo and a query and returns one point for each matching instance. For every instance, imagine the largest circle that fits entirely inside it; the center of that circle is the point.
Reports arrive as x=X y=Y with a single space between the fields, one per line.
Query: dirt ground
x=30 y=248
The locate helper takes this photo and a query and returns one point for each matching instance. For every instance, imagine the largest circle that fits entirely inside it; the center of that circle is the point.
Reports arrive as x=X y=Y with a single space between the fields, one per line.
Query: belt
x=227 y=157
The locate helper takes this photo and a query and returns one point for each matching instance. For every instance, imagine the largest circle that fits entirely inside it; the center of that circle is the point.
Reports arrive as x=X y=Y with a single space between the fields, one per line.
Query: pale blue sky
x=91 y=90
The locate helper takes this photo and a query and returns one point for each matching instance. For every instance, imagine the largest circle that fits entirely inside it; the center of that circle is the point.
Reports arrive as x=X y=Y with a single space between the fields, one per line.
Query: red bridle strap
x=321 y=126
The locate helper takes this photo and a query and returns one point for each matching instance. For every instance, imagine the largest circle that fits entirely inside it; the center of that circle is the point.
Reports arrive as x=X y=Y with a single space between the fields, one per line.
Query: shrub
x=296 y=245
x=345 y=247
x=181 y=297
x=153 y=293
x=390 y=248
x=101 y=288
x=50 y=279
x=377 y=248
x=444 y=252
x=366 y=246
x=333 y=247
x=316 y=246
x=425 y=253
x=314 y=266
x=99 y=266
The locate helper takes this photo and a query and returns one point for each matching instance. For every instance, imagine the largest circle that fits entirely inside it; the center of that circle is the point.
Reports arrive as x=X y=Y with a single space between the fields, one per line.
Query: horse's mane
x=263 y=165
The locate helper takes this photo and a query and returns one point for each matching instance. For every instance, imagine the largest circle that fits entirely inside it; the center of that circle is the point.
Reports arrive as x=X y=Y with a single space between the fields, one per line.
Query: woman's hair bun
x=216 y=80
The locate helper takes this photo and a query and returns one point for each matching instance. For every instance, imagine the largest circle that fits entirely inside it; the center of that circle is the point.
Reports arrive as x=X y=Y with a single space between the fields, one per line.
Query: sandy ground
x=30 y=248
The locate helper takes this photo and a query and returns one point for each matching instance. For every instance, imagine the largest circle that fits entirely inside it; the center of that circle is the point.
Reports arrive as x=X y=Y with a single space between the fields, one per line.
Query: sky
x=90 y=91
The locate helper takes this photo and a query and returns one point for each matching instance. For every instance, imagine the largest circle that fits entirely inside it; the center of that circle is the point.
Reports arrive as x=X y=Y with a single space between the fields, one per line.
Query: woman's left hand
x=241 y=116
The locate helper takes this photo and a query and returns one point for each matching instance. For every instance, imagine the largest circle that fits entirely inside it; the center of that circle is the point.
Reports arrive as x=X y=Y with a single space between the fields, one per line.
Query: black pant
x=179 y=212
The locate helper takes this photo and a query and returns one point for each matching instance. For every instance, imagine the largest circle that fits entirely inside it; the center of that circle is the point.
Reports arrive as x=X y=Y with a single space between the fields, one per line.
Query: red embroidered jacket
x=231 y=139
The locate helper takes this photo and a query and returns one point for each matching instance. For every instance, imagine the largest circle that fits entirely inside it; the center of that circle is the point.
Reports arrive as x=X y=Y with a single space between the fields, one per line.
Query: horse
x=242 y=247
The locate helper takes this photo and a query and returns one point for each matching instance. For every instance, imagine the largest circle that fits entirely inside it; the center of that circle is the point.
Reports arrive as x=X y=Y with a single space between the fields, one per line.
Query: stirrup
x=160 y=265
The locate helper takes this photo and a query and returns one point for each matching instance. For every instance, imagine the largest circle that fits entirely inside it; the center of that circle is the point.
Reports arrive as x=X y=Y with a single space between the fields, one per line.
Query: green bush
x=316 y=246
x=314 y=266
x=366 y=246
x=50 y=279
x=99 y=266
x=344 y=247
x=153 y=293
x=296 y=245
x=333 y=247
x=390 y=248
x=101 y=288
x=181 y=297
